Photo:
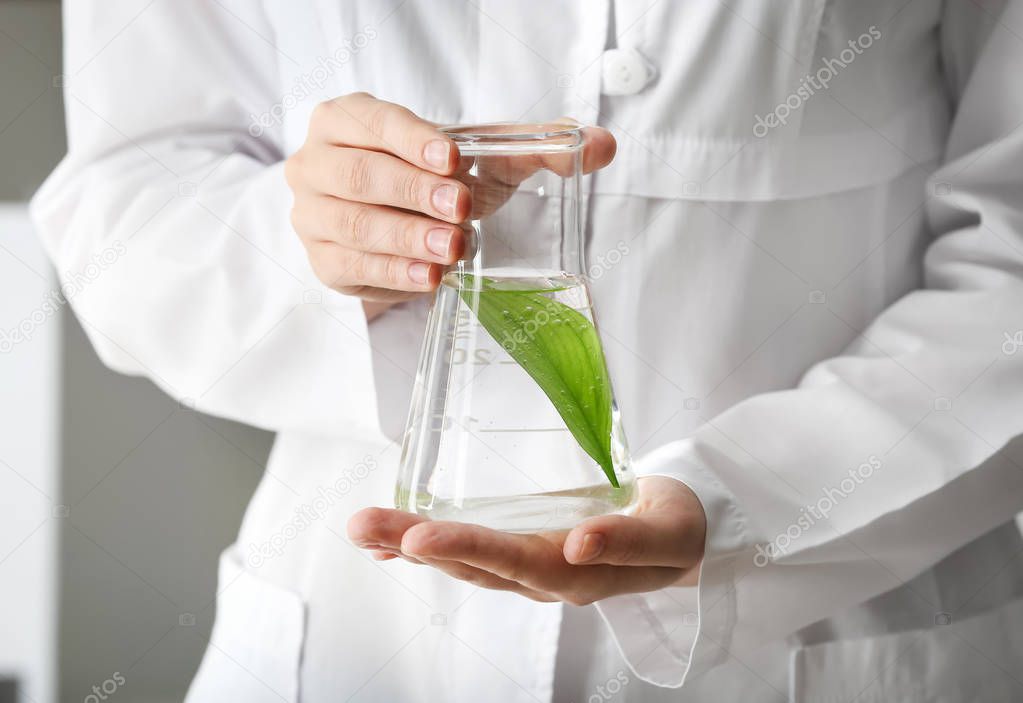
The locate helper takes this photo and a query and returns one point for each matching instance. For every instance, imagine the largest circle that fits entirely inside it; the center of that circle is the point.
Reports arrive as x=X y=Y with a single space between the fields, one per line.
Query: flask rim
x=515 y=136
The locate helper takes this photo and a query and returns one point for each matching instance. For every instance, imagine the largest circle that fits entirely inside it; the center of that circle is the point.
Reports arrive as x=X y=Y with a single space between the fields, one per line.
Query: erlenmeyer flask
x=513 y=422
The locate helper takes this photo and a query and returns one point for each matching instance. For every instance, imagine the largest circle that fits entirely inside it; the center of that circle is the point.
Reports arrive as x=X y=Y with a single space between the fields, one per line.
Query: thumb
x=599 y=145
x=668 y=529
x=627 y=541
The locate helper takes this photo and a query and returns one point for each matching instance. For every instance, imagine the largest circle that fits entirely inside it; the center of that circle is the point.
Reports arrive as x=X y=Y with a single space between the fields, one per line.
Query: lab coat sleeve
x=883 y=460
x=168 y=220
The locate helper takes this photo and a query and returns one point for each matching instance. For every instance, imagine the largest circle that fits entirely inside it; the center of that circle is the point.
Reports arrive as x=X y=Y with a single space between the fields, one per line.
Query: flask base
x=531 y=513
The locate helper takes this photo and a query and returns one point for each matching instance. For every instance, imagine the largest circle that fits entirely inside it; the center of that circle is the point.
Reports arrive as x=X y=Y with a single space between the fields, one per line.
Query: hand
x=374 y=204
x=378 y=198
x=660 y=545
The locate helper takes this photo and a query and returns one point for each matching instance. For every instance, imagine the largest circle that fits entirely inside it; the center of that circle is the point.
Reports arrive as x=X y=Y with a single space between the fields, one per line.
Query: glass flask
x=513 y=423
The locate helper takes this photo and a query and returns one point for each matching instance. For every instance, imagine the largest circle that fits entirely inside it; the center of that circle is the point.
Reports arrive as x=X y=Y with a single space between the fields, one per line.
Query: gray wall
x=154 y=490
x=31 y=124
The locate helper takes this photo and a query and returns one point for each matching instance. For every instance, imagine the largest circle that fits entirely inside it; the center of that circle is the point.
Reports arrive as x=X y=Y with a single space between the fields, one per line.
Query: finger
x=378 y=229
x=360 y=120
x=531 y=560
x=380 y=528
x=485 y=579
x=388 y=554
x=373 y=177
x=352 y=272
x=535 y=561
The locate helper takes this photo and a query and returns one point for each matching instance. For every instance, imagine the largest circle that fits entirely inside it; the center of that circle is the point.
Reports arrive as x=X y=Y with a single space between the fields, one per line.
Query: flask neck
x=526 y=216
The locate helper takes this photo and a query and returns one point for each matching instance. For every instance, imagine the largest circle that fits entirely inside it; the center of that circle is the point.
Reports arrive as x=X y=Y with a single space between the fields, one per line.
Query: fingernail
x=592 y=546
x=437 y=153
x=438 y=241
x=444 y=198
x=419 y=272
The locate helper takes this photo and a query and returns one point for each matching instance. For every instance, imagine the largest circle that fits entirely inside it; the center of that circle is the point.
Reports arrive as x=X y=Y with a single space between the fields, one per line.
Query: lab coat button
x=625 y=72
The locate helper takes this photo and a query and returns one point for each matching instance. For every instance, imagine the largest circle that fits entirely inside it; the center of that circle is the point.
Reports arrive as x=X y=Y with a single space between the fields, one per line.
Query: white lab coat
x=824 y=313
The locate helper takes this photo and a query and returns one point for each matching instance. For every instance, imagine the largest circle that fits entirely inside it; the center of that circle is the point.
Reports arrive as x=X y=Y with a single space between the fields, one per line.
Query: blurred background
x=114 y=500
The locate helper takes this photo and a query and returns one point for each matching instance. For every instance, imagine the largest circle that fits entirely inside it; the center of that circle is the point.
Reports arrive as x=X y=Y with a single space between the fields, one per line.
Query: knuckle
x=357 y=95
x=356 y=226
x=336 y=218
x=409 y=188
x=401 y=239
x=322 y=114
x=357 y=174
x=378 y=118
x=317 y=115
x=358 y=270
x=394 y=271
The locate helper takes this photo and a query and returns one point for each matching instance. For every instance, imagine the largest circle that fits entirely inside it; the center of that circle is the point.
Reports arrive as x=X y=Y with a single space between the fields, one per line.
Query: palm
x=659 y=545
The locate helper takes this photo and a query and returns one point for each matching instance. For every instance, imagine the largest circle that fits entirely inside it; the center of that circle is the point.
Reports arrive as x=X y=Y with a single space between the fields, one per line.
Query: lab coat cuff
x=669 y=635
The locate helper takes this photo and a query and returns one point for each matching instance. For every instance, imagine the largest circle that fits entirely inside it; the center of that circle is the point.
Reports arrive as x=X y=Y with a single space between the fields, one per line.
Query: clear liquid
x=537 y=512
x=486 y=444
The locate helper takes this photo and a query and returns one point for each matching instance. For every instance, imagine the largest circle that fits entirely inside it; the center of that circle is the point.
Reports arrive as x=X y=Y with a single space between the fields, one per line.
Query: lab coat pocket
x=256 y=645
x=970 y=660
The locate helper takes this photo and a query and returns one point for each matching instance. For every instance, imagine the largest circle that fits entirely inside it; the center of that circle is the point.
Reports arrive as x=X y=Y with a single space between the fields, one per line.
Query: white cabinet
x=29 y=429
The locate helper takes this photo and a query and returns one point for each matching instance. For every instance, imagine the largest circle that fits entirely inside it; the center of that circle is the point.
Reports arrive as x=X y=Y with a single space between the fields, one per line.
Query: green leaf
x=560 y=350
